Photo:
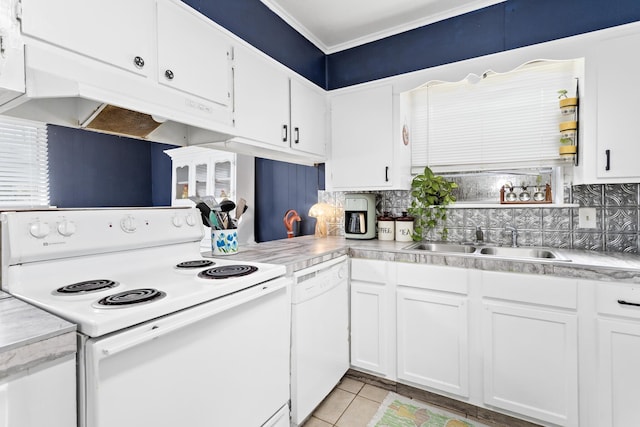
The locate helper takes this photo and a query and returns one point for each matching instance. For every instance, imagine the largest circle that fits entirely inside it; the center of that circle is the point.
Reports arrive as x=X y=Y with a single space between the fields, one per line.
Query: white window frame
x=493 y=121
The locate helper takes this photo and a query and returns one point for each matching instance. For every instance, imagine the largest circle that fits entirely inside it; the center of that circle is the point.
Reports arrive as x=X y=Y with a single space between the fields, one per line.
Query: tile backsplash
x=617 y=209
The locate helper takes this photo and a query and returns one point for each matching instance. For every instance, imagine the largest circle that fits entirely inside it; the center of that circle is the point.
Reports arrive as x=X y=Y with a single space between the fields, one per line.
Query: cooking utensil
x=227 y=206
x=205 y=212
x=241 y=207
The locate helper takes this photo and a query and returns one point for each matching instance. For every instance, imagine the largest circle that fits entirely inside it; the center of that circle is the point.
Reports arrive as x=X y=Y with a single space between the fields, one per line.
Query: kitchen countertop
x=295 y=254
x=30 y=336
x=305 y=251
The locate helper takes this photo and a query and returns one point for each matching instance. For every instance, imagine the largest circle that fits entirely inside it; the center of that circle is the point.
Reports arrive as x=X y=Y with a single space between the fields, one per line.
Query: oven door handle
x=137 y=335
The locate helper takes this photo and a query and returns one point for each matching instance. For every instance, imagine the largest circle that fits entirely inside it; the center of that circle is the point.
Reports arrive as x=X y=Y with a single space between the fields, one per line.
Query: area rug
x=400 y=411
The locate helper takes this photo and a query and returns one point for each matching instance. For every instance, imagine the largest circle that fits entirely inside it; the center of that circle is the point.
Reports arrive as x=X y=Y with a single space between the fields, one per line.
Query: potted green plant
x=431 y=193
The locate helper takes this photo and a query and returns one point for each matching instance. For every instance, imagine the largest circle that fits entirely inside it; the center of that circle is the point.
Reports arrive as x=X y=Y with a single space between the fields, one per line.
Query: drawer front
x=619 y=300
x=368 y=270
x=530 y=288
x=434 y=277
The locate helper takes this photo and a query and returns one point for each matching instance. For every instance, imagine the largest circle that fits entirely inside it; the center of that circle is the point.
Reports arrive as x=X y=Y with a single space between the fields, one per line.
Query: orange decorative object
x=289 y=217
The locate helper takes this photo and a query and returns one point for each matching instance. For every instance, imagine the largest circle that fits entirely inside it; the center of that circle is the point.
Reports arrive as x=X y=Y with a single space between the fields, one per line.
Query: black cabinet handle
x=169 y=74
x=608 y=154
x=285 y=135
x=623 y=302
x=296 y=138
x=386 y=174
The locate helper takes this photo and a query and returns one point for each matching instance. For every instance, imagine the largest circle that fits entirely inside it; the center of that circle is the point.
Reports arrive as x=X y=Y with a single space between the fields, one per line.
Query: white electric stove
x=153 y=314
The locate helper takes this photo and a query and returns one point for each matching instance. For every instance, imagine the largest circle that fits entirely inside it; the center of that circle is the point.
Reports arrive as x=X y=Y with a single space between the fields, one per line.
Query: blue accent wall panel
x=508 y=25
x=281 y=186
x=467 y=36
x=529 y=22
x=255 y=23
x=89 y=169
x=160 y=174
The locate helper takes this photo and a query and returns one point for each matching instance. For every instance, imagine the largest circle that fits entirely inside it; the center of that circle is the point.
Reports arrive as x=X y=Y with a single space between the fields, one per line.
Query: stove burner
x=87 y=286
x=227 y=271
x=133 y=296
x=199 y=263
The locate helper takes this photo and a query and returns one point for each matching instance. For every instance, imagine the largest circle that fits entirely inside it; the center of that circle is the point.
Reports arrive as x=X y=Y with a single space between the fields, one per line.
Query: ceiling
x=334 y=25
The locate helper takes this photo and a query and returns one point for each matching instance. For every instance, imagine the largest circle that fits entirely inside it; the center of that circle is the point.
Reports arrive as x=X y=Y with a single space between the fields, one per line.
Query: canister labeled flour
x=386 y=227
x=404 y=228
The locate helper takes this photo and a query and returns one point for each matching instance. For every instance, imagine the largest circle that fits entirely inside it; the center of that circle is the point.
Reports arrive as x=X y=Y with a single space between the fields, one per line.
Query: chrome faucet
x=514 y=235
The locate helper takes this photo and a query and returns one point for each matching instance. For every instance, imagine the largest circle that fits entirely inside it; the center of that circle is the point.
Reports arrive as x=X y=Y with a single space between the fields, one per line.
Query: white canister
x=404 y=228
x=386 y=227
x=224 y=242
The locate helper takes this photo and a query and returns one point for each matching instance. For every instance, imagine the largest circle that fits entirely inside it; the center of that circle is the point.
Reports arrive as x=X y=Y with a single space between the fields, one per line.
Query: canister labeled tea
x=386 y=227
x=404 y=228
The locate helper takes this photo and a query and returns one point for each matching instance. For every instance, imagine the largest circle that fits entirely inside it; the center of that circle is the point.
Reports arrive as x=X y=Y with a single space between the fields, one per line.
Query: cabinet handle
x=296 y=132
x=285 y=135
x=623 y=302
x=386 y=174
x=608 y=154
x=168 y=74
x=138 y=61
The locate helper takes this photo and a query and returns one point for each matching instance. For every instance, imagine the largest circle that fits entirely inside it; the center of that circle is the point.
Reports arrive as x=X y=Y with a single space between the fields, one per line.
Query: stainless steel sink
x=509 y=252
x=442 y=247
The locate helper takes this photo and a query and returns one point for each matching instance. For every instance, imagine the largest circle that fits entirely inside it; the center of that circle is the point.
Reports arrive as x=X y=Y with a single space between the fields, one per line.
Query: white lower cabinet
x=530 y=346
x=618 y=367
x=372 y=318
x=40 y=396
x=432 y=328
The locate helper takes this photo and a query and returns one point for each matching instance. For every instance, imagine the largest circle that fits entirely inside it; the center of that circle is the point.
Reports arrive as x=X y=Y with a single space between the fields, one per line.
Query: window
x=494 y=121
x=24 y=170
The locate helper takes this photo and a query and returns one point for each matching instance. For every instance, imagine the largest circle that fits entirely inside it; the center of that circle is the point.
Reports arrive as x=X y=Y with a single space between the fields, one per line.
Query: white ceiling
x=334 y=25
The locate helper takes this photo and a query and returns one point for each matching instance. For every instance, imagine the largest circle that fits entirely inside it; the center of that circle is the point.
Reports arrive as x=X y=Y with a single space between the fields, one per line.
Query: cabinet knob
x=168 y=74
x=138 y=61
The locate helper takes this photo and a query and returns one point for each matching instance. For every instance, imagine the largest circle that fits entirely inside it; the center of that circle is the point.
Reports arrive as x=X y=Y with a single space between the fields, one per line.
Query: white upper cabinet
x=276 y=108
x=193 y=55
x=363 y=140
x=118 y=33
x=308 y=118
x=261 y=99
x=617 y=140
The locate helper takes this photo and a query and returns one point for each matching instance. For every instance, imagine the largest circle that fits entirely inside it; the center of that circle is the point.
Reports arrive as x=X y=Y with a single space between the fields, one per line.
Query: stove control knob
x=39 y=230
x=66 y=227
x=191 y=220
x=177 y=221
x=128 y=224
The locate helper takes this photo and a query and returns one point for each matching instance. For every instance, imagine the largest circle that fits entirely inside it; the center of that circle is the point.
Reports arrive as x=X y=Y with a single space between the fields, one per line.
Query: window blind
x=495 y=121
x=24 y=164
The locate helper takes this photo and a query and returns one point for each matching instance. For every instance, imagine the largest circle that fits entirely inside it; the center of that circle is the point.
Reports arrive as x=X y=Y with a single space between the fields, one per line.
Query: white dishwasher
x=319 y=334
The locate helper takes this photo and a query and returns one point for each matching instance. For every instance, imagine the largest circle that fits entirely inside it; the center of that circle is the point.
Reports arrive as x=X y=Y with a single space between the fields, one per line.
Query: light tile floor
x=351 y=404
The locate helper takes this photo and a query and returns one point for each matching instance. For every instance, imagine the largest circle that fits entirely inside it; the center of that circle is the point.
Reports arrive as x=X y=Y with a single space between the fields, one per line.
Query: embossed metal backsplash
x=617 y=219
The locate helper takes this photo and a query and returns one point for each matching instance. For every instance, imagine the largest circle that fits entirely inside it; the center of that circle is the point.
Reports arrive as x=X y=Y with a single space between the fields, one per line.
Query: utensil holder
x=224 y=242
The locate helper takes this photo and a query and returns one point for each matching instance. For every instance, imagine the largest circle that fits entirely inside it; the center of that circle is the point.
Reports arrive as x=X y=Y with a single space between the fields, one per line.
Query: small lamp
x=321 y=212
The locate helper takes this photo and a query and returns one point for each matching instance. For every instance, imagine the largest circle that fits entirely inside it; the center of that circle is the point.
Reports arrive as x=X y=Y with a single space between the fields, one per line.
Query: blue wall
x=89 y=169
x=504 y=26
x=282 y=186
x=507 y=25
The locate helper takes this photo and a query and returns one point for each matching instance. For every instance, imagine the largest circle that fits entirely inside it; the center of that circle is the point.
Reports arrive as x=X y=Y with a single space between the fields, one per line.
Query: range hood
x=42 y=83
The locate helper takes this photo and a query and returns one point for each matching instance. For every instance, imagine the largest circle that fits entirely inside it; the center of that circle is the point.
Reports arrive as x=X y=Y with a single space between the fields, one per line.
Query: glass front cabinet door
x=201 y=172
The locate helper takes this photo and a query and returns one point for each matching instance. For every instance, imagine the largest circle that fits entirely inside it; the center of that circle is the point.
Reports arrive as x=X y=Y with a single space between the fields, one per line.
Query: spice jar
x=404 y=228
x=386 y=227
